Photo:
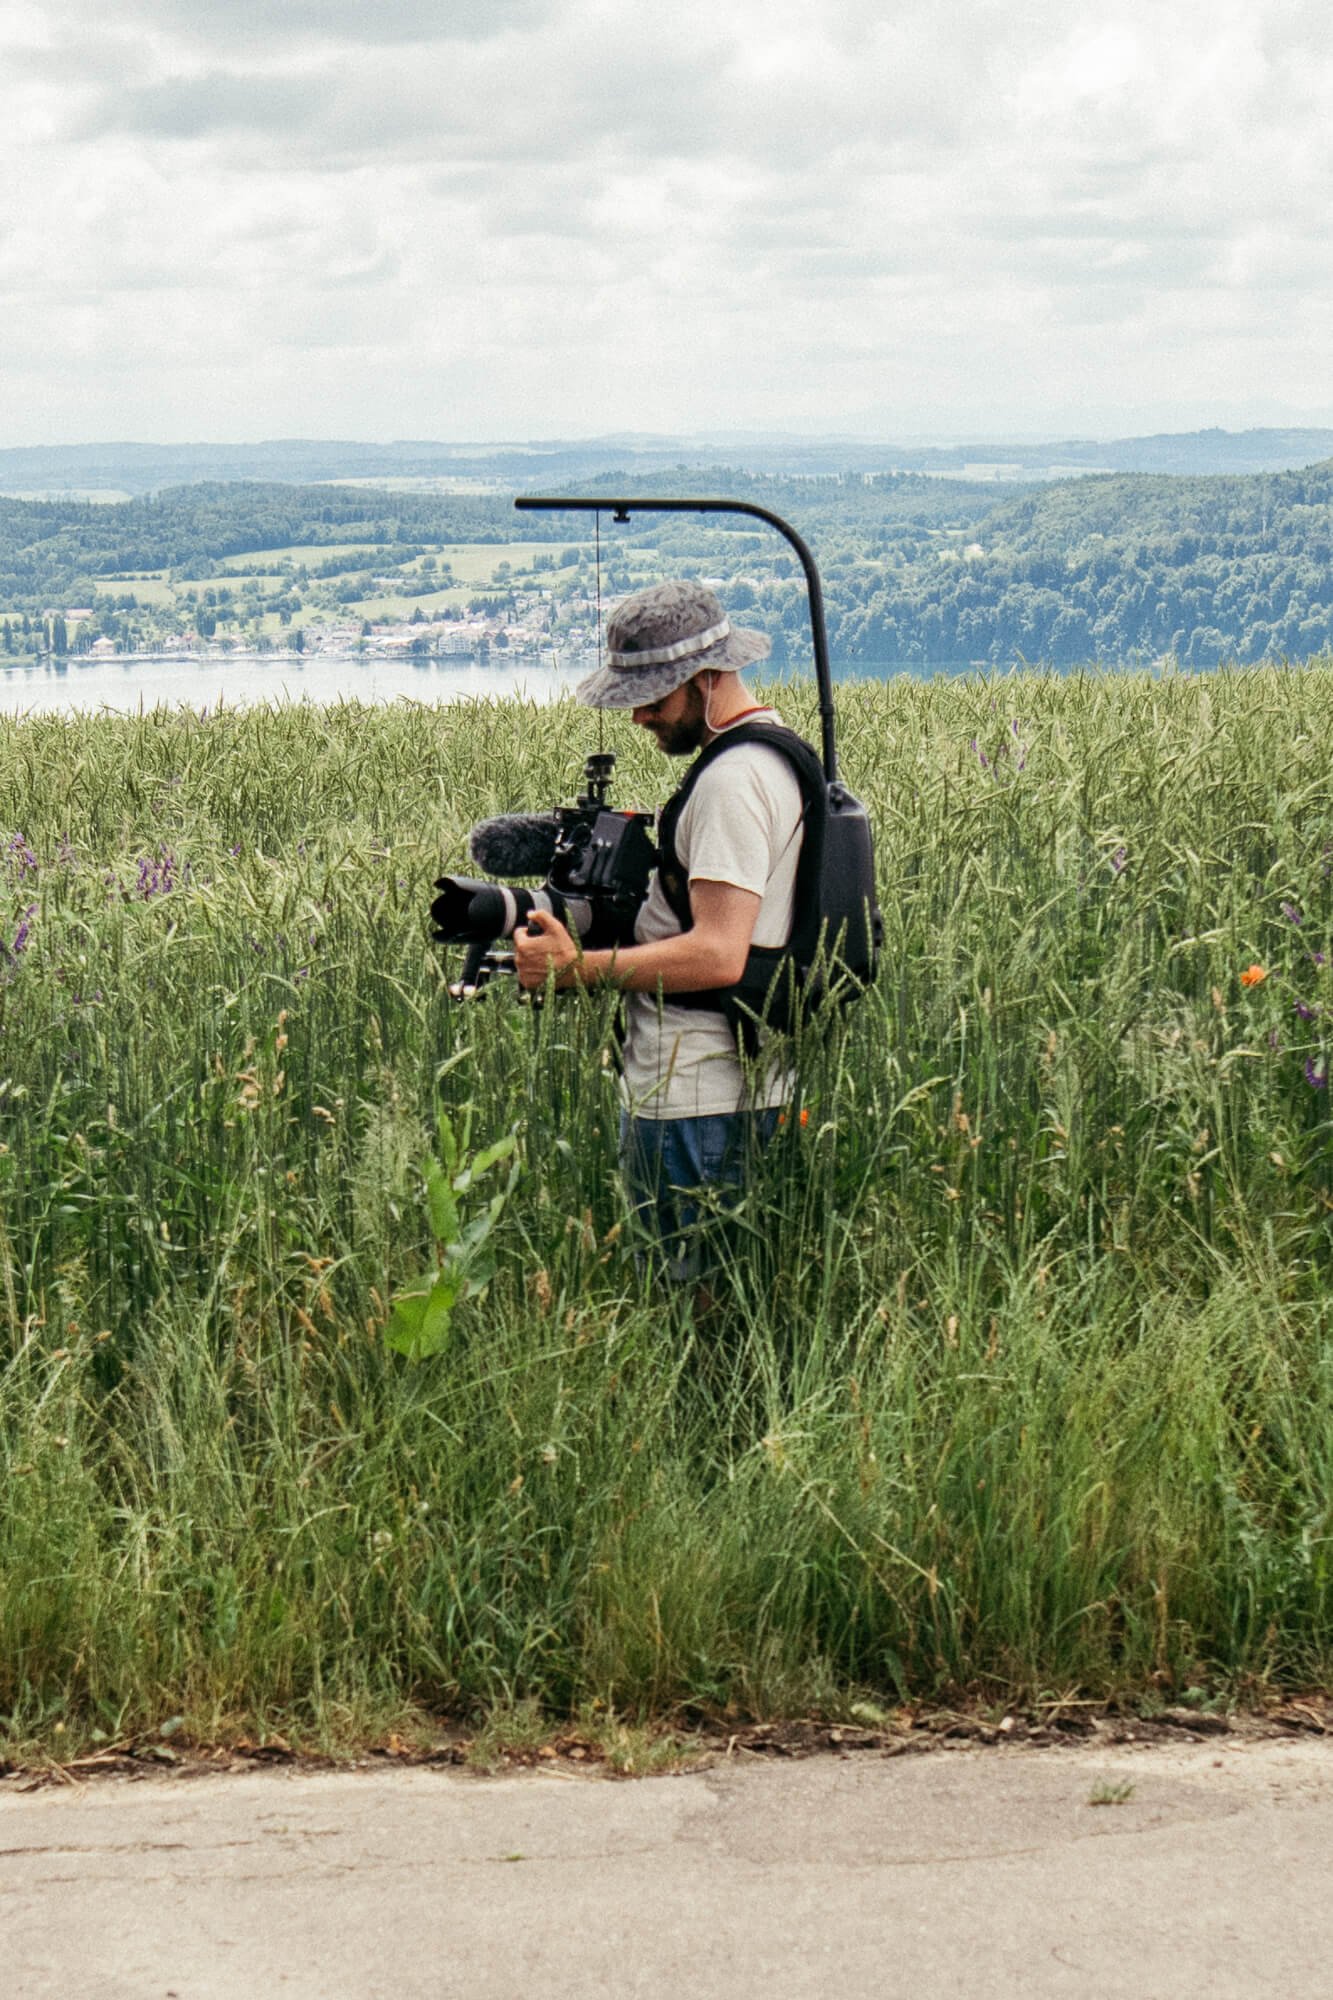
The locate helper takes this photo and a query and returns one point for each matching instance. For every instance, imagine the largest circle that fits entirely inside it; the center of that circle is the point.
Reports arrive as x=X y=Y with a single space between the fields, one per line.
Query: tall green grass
x=1021 y=1382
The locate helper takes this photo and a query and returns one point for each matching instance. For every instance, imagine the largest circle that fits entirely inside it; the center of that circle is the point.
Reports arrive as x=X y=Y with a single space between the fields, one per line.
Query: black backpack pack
x=837 y=927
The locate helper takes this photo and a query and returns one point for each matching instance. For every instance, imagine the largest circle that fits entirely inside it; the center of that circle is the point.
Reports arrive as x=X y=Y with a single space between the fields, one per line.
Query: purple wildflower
x=982 y=758
x=1292 y=914
x=1316 y=1073
x=158 y=875
x=10 y=952
x=22 y=860
x=1305 y=1011
x=1119 y=860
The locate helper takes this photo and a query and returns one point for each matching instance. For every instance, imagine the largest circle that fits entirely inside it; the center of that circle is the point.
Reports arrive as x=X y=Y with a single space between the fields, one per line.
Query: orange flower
x=1253 y=975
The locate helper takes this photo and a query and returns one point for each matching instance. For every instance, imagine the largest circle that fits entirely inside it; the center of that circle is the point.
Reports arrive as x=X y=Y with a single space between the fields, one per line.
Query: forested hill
x=1116 y=568
x=47 y=546
x=917 y=571
x=1120 y=568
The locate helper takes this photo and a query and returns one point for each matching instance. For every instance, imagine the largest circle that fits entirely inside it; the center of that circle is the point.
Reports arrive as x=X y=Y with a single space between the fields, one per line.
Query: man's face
x=677 y=720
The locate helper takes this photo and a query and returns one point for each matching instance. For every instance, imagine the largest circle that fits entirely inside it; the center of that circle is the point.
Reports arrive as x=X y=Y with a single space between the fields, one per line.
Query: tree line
x=917 y=571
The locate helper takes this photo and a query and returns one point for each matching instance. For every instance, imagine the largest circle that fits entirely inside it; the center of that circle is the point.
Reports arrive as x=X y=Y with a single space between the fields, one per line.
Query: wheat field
x=1020 y=1382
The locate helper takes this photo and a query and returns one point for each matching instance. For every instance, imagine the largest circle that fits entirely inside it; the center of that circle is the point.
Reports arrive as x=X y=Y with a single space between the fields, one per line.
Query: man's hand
x=711 y=953
x=534 y=956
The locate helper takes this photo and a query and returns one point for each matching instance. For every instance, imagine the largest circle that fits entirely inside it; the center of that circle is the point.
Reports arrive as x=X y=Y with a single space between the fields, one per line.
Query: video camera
x=594 y=862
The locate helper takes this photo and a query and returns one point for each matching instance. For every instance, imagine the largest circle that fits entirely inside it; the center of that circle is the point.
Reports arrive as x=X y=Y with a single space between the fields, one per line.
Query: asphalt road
x=968 y=1872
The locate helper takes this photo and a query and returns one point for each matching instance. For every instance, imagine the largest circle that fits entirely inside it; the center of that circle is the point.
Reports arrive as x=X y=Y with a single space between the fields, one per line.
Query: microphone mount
x=597 y=773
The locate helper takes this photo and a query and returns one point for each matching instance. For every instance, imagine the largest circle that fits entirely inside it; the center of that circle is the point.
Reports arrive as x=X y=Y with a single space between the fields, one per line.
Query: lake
x=130 y=683
x=127 y=683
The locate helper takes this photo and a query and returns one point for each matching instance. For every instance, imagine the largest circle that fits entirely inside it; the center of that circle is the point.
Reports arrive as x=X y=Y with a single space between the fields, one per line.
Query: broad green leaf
x=474 y=1233
x=443 y=1206
x=439 y=1313
x=404 y=1327
x=479 y=1275
x=483 y=1162
x=419 y=1323
x=488 y=1155
x=448 y=1142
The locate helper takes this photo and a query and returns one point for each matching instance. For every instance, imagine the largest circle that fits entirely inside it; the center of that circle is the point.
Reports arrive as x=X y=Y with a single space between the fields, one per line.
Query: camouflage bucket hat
x=660 y=638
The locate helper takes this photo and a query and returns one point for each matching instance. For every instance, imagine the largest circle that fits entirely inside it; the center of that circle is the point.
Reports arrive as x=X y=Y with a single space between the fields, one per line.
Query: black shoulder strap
x=804 y=760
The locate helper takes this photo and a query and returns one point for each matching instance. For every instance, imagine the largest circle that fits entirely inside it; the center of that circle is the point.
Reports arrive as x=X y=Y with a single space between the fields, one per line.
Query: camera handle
x=480 y=966
x=620 y=510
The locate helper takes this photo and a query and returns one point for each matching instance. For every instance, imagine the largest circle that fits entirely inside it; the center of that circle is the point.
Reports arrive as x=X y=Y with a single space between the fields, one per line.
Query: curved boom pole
x=620 y=510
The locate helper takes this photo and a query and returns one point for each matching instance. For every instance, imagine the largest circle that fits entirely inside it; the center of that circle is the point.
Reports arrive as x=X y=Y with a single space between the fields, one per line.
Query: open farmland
x=264 y=599
x=1022 y=1382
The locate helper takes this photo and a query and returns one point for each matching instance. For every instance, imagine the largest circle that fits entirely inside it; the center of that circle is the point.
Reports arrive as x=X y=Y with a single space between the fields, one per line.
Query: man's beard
x=686 y=734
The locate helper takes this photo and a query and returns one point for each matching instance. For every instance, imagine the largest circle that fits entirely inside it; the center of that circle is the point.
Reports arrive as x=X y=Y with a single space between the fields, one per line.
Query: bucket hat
x=660 y=638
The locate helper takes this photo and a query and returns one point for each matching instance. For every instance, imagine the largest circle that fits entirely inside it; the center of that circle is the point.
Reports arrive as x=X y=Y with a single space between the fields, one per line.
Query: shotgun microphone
x=515 y=844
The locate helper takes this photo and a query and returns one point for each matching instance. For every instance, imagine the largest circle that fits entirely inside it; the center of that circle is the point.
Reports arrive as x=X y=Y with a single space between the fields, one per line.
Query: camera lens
x=467 y=910
x=497 y=912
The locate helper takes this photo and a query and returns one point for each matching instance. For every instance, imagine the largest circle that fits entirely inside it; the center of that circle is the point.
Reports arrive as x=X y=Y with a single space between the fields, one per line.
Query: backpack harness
x=836 y=924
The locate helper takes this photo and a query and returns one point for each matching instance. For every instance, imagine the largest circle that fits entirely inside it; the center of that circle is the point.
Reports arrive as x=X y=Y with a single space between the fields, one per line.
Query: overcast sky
x=489 y=219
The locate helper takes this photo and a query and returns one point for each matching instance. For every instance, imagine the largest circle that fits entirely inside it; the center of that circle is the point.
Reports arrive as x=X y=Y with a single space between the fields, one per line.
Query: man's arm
x=711 y=953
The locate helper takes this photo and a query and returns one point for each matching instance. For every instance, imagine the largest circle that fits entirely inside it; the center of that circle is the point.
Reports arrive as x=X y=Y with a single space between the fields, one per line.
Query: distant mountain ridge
x=135 y=468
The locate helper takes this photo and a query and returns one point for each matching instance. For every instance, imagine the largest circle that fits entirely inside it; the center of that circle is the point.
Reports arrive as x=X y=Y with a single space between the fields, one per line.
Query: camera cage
x=595 y=879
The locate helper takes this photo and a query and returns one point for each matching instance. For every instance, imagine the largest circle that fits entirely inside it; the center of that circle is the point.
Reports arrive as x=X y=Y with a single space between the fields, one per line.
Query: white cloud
x=223 y=217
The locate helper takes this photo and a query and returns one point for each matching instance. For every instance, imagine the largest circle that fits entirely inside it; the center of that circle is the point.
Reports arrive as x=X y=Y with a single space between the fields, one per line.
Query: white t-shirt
x=741 y=825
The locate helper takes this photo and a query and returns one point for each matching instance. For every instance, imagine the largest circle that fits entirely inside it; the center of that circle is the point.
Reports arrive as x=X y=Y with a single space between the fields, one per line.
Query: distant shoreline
x=571 y=662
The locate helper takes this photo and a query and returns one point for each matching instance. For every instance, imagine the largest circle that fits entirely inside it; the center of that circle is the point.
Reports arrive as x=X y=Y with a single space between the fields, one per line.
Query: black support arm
x=620 y=510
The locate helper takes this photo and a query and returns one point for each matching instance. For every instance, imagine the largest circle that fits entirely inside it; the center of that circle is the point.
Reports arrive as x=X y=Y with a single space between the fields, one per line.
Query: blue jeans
x=669 y=1164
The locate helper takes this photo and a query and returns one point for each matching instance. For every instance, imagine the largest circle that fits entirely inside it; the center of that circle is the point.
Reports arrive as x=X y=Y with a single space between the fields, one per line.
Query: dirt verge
x=903 y=1733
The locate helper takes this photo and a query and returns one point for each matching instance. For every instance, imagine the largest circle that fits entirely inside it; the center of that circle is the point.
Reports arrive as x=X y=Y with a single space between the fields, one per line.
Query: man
x=692 y=1110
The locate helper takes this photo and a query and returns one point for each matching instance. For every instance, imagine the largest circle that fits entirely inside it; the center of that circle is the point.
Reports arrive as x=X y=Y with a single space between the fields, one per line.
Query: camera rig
x=597 y=862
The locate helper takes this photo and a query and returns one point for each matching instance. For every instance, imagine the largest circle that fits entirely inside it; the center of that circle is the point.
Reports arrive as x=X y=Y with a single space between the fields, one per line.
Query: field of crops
x=1021 y=1381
